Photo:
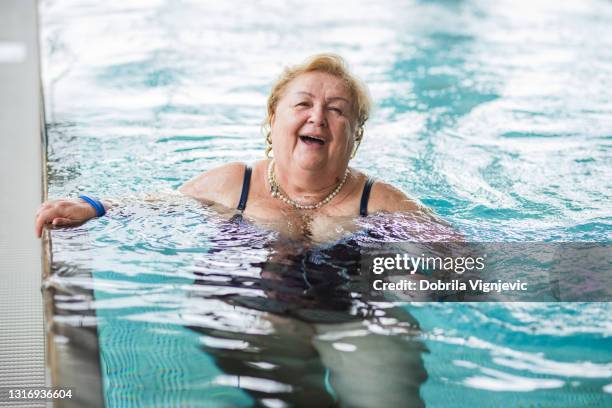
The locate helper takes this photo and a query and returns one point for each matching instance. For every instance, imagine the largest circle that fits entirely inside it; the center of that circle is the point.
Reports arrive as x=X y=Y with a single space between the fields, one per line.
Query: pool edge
x=22 y=325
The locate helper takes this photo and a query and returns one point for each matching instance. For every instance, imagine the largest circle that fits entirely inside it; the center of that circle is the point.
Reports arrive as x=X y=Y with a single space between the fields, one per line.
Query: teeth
x=313 y=137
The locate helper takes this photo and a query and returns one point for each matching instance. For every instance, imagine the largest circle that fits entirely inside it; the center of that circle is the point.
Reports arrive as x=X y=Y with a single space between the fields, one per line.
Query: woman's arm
x=65 y=213
x=386 y=198
x=418 y=220
x=221 y=185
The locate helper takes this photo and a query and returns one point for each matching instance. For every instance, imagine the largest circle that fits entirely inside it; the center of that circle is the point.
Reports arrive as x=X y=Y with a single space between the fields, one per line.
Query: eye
x=335 y=109
x=302 y=104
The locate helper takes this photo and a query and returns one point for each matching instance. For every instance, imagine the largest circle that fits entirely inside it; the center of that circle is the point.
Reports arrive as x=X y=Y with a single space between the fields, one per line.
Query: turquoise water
x=497 y=115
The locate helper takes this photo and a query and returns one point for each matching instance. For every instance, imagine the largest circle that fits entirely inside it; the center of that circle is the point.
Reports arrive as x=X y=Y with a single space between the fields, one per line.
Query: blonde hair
x=331 y=64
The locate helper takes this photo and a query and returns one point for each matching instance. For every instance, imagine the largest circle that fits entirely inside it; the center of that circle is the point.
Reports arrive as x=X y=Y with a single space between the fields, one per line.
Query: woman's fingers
x=38 y=226
x=60 y=222
x=44 y=216
x=66 y=222
x=62 y=213
x=45 y=206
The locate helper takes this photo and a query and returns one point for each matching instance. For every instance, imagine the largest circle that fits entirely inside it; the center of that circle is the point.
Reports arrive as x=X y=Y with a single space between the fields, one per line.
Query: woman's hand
x=63 y=213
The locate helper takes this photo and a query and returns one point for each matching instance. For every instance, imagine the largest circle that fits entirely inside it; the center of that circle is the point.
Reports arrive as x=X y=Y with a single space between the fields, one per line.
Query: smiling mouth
x=311 y=140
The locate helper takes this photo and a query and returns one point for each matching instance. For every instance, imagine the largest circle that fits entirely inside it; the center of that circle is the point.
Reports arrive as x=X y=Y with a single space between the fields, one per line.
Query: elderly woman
x=316 y=116
x=306 y=189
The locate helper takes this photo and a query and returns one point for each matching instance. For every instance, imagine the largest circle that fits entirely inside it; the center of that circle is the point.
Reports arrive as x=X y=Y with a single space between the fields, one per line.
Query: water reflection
x=284 y=321
x=325 y=345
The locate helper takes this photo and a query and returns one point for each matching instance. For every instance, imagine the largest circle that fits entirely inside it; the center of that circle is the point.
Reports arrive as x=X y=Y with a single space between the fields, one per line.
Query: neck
x=307 y=186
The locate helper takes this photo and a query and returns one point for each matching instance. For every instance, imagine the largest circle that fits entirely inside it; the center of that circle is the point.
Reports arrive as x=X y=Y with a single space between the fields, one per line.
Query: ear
x=272 y=118
x=356 y=130
x=358 y=134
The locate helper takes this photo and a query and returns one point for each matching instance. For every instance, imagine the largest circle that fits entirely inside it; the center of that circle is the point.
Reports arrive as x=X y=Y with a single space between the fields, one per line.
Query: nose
x=317 y=116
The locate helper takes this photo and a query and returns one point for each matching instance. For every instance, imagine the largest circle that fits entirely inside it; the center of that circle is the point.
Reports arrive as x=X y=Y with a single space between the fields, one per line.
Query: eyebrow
x=328 y=99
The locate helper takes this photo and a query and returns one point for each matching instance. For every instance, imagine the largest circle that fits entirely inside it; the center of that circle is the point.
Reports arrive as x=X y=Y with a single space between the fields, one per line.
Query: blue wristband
x=96 y=204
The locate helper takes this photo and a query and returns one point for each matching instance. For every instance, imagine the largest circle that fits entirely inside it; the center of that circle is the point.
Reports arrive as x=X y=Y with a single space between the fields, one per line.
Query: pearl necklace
x=277 y=192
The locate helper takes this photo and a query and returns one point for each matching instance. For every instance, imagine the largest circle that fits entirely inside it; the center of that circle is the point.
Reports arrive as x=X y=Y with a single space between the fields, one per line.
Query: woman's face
x=313 y=127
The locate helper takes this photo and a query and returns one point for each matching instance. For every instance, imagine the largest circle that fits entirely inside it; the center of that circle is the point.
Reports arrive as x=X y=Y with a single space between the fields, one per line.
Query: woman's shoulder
x=385 y=197
x=220 y=185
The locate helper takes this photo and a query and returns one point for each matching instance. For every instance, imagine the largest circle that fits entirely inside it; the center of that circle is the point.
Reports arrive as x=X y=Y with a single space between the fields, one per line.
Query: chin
x=311 y=163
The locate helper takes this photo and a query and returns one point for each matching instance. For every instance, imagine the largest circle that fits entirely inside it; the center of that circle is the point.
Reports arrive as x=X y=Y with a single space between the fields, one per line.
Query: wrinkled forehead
x=319 y=84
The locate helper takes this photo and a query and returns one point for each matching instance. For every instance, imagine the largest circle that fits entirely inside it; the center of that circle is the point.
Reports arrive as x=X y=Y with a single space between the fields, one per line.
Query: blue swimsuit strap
x=246 y=184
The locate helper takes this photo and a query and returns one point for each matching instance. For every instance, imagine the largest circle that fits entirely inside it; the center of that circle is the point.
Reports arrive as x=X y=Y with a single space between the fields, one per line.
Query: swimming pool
x=498 y=116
